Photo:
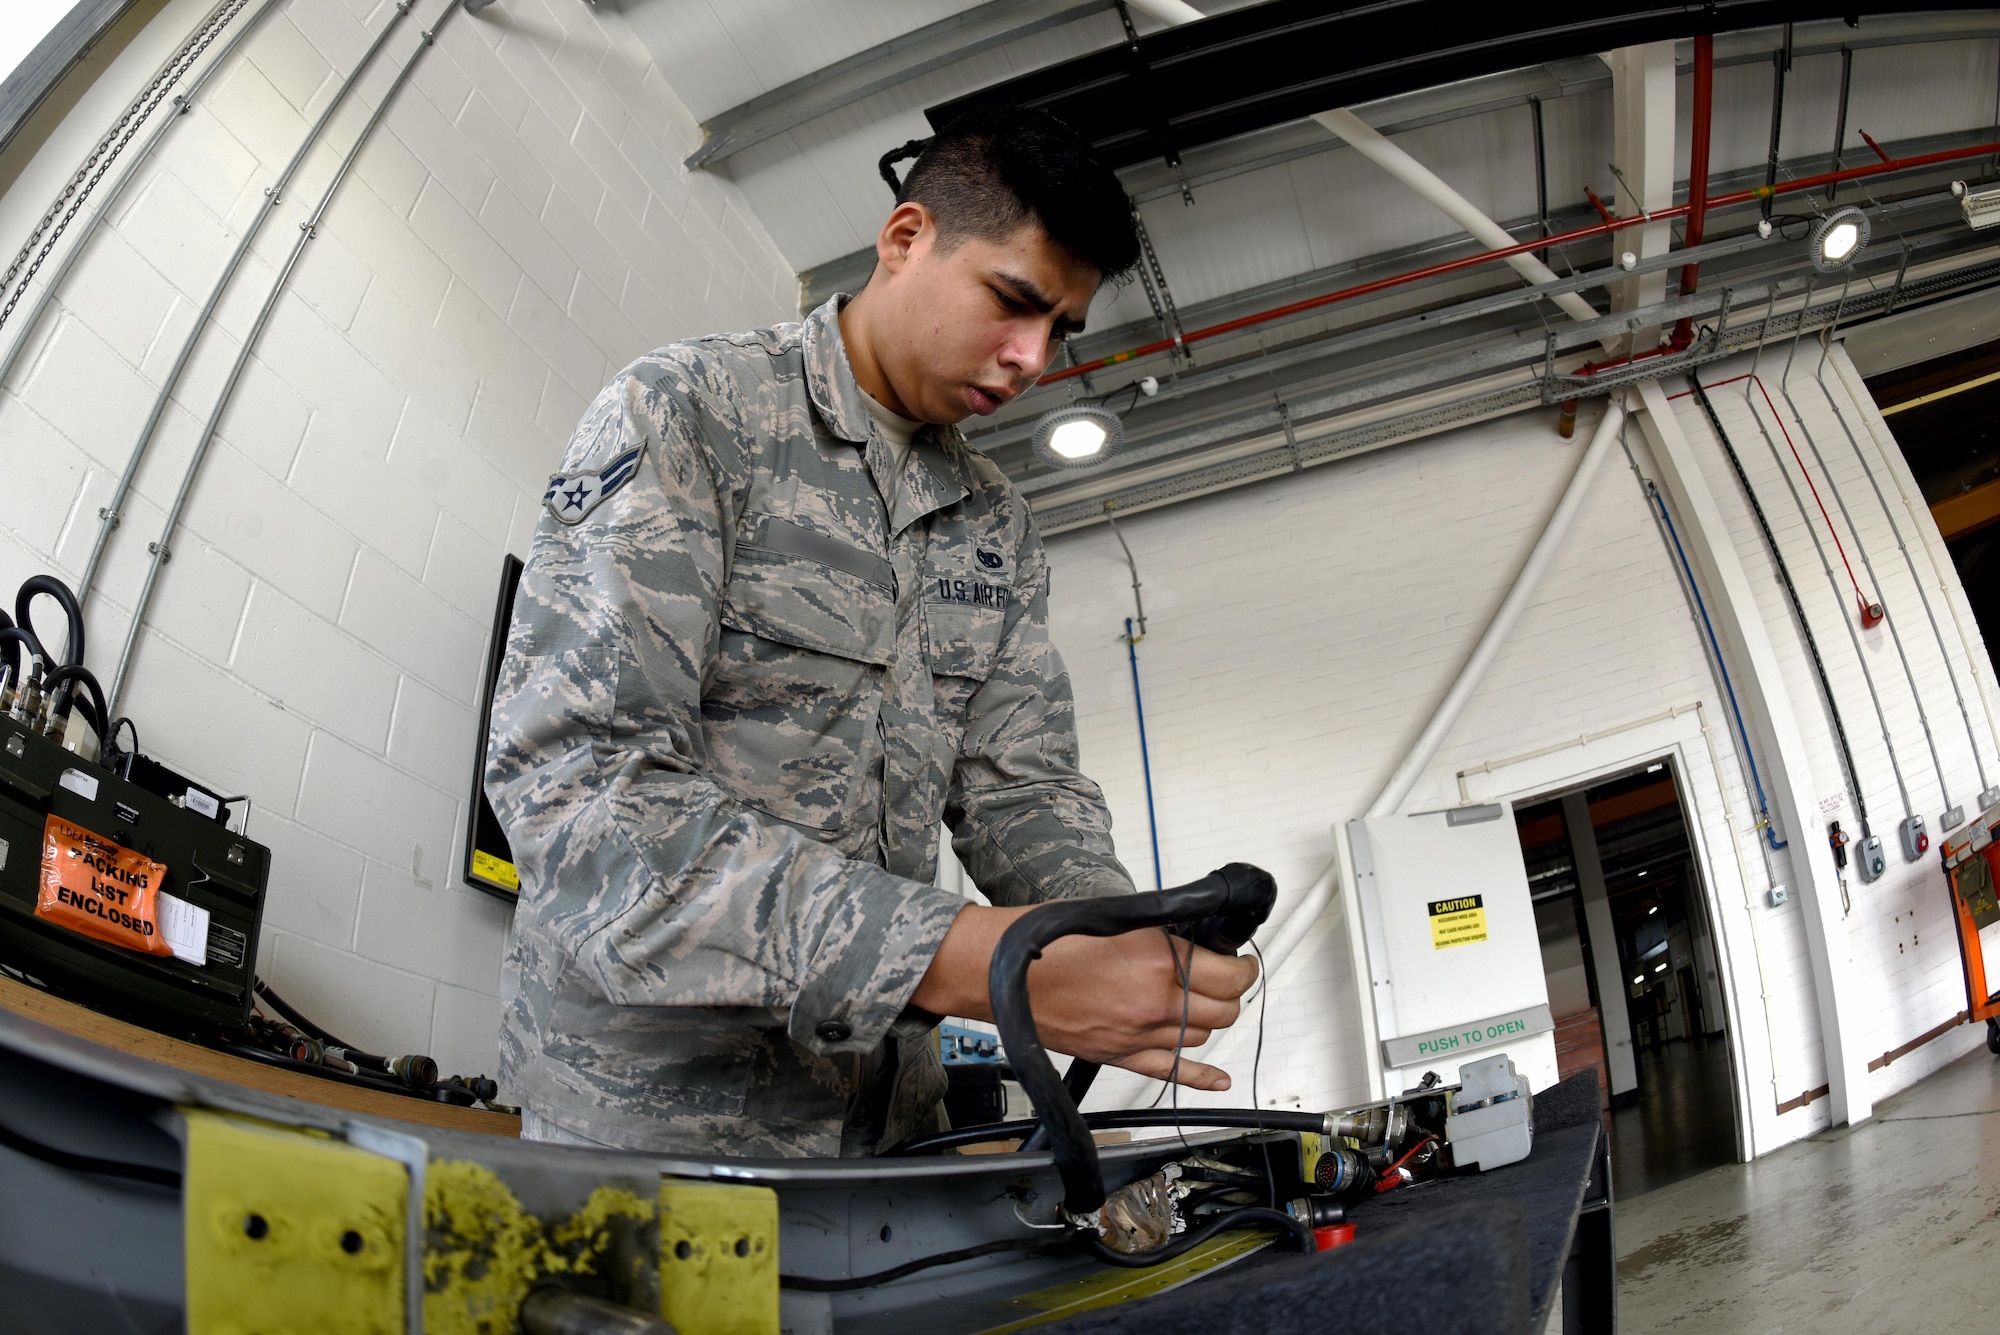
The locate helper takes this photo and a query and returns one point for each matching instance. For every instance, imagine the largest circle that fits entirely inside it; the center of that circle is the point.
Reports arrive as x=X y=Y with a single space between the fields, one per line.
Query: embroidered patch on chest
x=968 y=592
x=572 y=496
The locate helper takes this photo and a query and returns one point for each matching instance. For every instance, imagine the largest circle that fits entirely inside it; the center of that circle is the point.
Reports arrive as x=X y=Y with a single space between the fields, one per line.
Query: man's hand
x=1114 y=1000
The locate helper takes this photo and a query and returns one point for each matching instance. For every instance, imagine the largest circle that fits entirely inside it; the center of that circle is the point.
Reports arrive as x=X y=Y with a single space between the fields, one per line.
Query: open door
x=1453 y=956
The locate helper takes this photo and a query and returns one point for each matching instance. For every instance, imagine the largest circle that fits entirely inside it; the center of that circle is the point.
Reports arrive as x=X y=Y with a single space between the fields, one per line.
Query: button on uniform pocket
x=790 y=712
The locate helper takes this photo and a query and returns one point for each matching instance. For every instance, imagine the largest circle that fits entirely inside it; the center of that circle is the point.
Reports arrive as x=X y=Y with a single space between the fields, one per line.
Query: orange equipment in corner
x=1971 y=862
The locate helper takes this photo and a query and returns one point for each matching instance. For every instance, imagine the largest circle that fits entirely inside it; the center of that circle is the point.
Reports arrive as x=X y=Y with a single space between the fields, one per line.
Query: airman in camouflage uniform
x=740 y=692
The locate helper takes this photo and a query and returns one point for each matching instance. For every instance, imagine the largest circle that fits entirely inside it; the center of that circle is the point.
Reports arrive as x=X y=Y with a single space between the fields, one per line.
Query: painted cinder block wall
x=1302 y=630
x=517 y=229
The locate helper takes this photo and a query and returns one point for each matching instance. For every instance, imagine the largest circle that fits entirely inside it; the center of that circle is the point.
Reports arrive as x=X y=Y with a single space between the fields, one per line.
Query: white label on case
x=83 y=785
x=185 y=928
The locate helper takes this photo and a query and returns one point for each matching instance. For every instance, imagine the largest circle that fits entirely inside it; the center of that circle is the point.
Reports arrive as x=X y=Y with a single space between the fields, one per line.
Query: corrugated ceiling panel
x=1576 y=132
x=1902 y=92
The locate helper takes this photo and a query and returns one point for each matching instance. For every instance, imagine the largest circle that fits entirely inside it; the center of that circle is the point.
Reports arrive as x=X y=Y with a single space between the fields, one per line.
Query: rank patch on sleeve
x=572 y=496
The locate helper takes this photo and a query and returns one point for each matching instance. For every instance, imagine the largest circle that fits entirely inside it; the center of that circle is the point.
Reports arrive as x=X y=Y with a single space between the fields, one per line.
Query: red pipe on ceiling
x=1704 y=105
x=1487 y=257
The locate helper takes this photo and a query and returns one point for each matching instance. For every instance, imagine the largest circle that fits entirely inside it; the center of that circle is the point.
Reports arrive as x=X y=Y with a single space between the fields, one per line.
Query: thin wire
x=1256 y=1065
x=1186 y=970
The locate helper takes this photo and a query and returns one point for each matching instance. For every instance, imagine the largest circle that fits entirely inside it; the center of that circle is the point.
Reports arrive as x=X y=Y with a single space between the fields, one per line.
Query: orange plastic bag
x=94 y=887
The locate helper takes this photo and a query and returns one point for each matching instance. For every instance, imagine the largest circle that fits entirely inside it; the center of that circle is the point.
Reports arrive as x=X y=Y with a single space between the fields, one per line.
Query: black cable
x=358 y=1078
x=1186 y=970
x=809 y=1284
x=1791 y=594
x=27 y=648
x=122 y=760
x=887 y=165
x=97 y=713
x=36 y=586
x=1237 y=890
x=1256 y=1065
x=1181 y=1244
x=1245 y=1119
x=85 y=1163
x=284 y=1008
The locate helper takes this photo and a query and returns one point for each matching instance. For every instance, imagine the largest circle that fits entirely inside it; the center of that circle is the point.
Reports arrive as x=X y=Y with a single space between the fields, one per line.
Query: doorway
x=1629 y=956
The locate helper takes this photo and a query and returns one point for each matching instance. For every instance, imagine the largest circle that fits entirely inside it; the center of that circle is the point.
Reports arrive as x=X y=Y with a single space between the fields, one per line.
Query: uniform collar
x=932 y=479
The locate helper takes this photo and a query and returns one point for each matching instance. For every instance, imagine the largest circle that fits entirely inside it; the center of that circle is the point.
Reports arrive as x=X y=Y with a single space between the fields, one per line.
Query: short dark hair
x=994 y=169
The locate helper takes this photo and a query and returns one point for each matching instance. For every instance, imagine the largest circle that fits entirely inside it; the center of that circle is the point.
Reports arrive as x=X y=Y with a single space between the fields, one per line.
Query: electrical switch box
x=1916 y=840
x=1869 y=857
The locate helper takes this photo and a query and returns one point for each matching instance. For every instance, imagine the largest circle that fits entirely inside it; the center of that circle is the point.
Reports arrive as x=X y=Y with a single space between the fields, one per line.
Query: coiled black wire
x=36 y=586
x=27 y=649
x=284 y=1008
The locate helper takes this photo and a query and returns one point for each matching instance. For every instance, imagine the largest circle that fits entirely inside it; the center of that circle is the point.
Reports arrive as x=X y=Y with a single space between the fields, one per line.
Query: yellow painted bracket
x=718 y=1258
x=290 y=1231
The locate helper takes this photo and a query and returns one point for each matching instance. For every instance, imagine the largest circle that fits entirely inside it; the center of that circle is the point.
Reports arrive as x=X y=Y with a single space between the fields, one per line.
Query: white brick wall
x=1302 y=631
x=516 y=230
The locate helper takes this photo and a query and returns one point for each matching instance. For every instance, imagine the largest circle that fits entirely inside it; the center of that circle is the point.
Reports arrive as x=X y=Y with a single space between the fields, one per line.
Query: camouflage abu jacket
x=740 y=693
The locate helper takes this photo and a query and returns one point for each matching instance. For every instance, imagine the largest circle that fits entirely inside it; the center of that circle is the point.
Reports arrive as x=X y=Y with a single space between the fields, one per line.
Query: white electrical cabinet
x=1453 y=960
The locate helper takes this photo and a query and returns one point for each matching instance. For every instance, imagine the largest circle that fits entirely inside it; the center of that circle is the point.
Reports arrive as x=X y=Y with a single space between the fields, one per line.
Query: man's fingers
x=1159 y=1064
x=1224 y=976
x=1169 y=1037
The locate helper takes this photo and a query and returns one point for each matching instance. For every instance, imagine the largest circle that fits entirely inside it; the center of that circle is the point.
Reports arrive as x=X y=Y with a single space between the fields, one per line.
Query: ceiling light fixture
x=1077 y=435
x=1639 y=980
x=1838 y=238
x=1661 y=967
x=1656 y=768
x=1655 y=908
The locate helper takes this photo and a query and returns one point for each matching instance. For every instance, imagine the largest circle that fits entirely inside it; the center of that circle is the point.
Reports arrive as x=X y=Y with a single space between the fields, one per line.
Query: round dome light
x=1078 y=435
x=1838 y=238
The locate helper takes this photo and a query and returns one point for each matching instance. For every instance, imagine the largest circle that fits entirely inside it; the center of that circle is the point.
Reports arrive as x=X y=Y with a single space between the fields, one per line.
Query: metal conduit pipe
x=1986 y=796
x=1854 y=636
x=1443 y=267
x=1373 y=145
x=161 y=551
x=110 y=514
x=183 y=104
x=1945 y=821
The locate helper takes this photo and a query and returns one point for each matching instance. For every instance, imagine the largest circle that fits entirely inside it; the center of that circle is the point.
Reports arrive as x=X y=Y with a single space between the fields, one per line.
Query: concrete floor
x=1683 y=1123
x=1884 y=1227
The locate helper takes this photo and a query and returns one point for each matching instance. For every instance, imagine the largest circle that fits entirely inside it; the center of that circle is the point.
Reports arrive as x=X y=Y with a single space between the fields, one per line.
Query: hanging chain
x=1154 y=279
x=76 y=192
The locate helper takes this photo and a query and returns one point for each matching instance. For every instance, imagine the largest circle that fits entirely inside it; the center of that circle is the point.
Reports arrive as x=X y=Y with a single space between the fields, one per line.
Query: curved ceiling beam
x=1289 y=59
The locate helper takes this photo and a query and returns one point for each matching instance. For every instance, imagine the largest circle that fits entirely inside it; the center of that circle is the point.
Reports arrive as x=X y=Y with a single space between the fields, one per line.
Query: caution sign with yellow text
x=1458 y=922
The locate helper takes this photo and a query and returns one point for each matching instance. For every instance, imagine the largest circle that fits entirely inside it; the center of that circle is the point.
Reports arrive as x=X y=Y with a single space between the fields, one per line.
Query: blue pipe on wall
x=1763 y=807
x=1145 y=760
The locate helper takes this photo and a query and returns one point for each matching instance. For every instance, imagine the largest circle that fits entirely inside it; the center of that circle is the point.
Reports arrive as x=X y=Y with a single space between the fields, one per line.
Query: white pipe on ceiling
x=1168 y=11
x=1371 y=144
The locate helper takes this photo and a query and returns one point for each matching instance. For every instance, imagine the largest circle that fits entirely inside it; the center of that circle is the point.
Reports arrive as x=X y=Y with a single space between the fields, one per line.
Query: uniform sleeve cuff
x=869 y=961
